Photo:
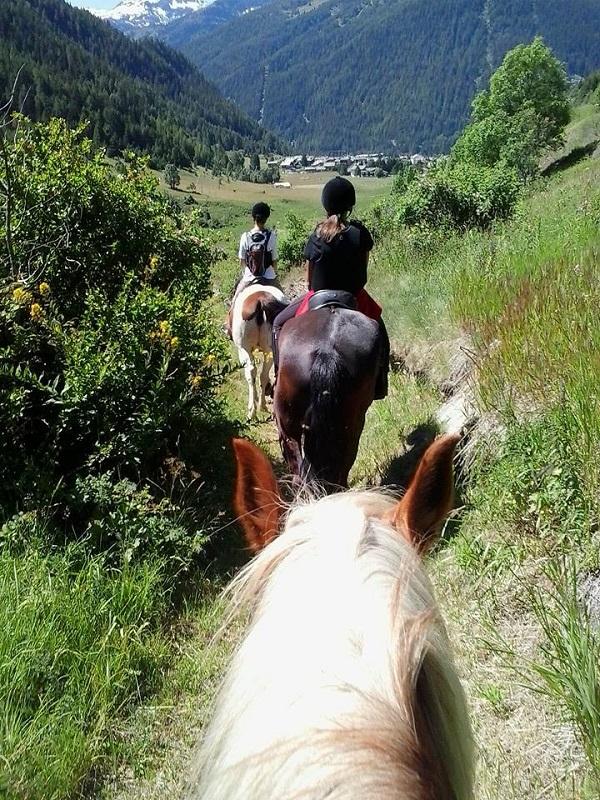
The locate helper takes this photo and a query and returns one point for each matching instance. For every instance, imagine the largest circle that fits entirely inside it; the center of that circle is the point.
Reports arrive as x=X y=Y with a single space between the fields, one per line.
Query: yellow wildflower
x=164 y=326
x=195 y=381
x=210 y=359
x=153 y=263
x=21 y=296
x=174 y=342
x=44 y=288
x=36 y=311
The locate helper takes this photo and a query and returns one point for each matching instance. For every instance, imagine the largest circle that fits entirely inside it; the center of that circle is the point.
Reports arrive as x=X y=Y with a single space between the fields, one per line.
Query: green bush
x=291 y=246
x=109 y=358
x=459 y=196
x=523 y=112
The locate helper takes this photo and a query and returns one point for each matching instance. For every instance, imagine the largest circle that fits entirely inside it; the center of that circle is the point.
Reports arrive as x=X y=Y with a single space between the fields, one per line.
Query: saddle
x=332 y=298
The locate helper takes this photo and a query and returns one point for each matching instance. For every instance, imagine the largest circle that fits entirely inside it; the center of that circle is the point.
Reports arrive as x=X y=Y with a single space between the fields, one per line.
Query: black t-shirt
x=342 y=262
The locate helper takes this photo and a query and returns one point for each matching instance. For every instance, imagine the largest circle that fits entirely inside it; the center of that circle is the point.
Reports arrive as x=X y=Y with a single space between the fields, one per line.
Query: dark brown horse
x=329 y=360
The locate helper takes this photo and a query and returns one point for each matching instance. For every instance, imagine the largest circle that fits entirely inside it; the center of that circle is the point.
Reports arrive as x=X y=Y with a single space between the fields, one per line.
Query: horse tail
x=263 y=307
x=329 y=378
x=258 y=314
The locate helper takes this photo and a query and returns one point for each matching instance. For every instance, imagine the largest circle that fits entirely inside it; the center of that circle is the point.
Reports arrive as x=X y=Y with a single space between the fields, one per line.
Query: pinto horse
x=253 y=312
x=329 y=360
x=343 y=685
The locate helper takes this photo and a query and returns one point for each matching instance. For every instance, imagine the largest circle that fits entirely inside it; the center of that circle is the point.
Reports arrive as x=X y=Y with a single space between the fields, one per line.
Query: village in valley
x=366 y=165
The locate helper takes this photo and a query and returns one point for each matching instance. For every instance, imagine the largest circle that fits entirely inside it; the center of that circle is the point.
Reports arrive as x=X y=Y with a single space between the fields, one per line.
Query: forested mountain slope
x=179 y=32
x=360 y=74
x=141 y=95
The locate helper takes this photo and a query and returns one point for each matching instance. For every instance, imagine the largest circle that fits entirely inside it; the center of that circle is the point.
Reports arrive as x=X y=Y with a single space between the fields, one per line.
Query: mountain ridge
x=366 y=75
x=143 y=17
x=139 y=95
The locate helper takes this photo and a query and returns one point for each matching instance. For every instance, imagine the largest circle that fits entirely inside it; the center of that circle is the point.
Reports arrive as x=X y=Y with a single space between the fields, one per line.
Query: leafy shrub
x=291 y=246
x=459 y=195
x=522 y=113
x=109 y=358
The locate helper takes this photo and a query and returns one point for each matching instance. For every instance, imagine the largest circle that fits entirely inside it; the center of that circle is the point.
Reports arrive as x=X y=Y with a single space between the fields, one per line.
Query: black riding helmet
x=338 y=196
x=261 y=211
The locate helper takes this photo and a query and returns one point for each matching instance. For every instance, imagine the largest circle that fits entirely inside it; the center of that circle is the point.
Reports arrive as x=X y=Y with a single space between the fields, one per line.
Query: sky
x=94 y=3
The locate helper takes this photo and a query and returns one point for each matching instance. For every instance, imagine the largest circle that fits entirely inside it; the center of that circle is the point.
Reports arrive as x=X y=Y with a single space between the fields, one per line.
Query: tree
x=171 y=176
x=523 y=112
x=254 y=162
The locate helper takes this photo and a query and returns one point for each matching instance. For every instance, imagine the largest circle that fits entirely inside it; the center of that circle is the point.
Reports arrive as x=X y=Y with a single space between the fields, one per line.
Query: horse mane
x=344 y=684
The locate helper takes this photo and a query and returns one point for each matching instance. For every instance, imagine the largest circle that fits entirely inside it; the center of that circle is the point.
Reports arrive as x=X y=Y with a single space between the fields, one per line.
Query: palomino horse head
x=328 y=364
x=253 y=312
x=343 y=685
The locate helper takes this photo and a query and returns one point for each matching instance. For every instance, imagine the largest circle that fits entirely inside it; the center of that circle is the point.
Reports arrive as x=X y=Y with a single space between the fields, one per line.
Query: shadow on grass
x=570 y=159
x=400 y=468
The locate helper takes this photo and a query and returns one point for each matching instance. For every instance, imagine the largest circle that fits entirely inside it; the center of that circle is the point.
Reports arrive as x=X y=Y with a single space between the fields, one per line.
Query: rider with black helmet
x=337 y=256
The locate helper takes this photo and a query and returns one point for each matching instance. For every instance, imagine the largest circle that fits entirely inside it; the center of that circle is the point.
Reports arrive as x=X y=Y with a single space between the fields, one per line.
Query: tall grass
x=78 y=643
x=568 y=666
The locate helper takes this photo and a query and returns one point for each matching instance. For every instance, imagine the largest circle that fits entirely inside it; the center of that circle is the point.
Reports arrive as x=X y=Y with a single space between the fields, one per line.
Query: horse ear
x=428 y=498
x=256 y=501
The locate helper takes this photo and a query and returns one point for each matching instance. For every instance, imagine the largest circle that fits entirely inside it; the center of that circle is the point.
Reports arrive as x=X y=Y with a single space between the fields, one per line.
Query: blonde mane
x=343 y=685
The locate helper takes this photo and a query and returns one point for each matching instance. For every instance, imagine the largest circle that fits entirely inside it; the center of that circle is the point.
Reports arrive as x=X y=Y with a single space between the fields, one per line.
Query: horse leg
x=264 y=380
x=250 y=372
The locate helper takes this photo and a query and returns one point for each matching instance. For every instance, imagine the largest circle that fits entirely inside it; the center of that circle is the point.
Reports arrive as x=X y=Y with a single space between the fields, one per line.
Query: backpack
x=258 y=258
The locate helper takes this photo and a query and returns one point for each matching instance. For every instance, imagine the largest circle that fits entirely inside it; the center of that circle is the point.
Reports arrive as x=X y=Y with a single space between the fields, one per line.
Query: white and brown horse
x=343 y=685
x=252 y=315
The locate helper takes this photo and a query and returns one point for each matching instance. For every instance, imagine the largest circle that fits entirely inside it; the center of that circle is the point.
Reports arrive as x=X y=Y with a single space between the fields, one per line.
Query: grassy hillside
x=137 y=95
x=376 y=75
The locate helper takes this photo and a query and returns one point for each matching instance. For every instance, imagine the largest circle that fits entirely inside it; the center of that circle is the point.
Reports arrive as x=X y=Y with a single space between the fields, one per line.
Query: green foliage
x=171 y=176
x=588 y=91
x=134 y=95
x=76 y=648
x=291 y=246
x=459 y=195
x=404 y=176
x=523 y=112
x=108 y=355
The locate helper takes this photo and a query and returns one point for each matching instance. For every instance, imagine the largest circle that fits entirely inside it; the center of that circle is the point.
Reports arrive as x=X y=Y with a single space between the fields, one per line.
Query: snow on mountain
x=137 y=17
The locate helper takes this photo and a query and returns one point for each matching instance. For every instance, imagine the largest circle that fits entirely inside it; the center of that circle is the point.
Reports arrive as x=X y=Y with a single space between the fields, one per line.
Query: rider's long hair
x=330 y=227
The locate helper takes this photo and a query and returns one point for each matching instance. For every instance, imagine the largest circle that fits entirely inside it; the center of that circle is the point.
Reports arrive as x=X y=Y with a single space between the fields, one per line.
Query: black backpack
x=258 y=257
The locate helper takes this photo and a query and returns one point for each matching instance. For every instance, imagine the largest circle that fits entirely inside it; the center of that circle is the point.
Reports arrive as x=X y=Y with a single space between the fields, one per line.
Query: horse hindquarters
x=329 y=362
